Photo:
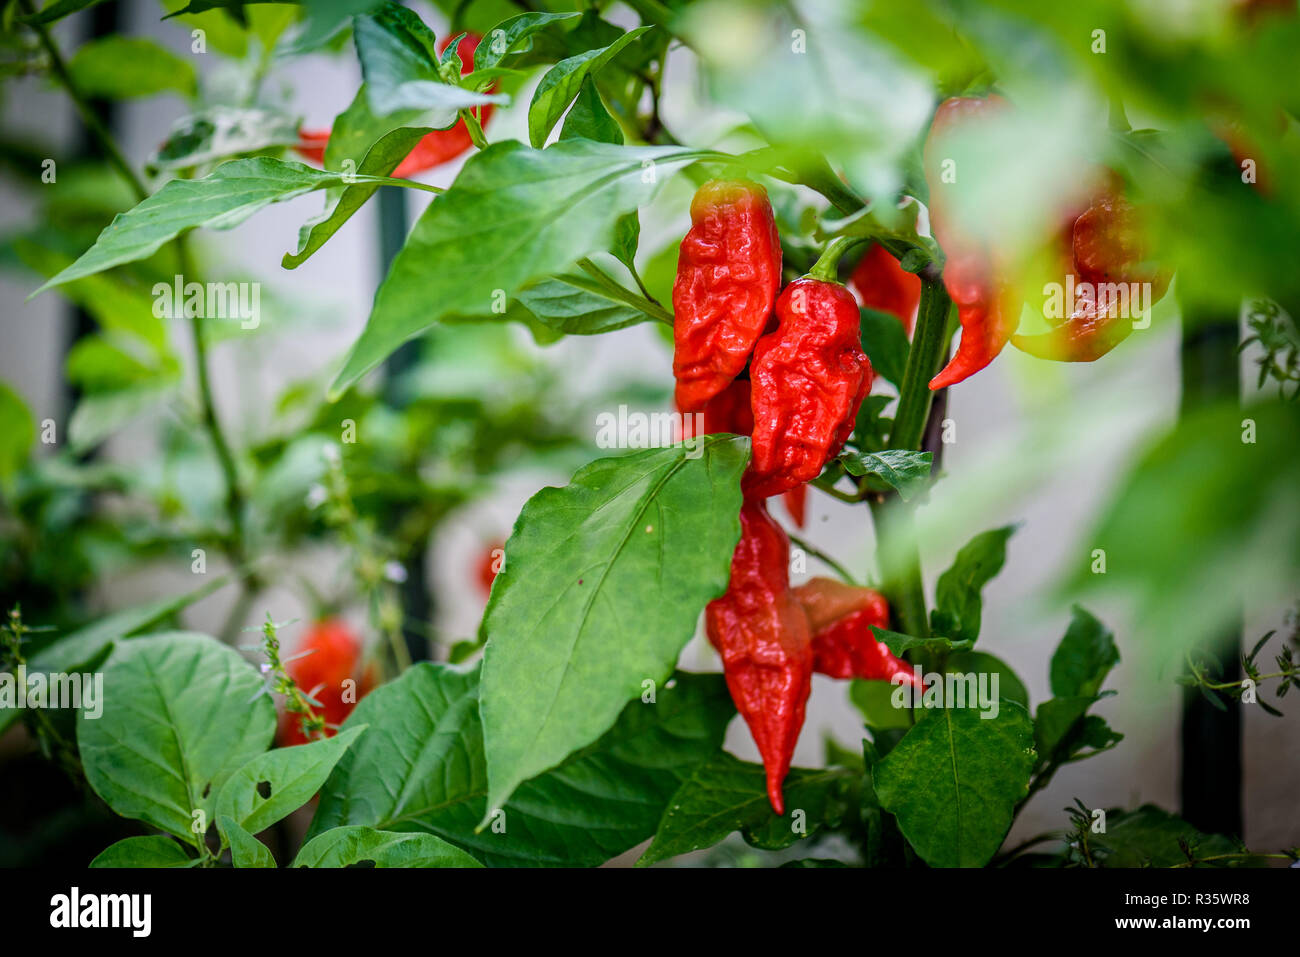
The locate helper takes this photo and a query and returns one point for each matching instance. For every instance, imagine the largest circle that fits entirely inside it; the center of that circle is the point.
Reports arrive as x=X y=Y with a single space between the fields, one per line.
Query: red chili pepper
x=1109 y=263
x=844 y=646
x=881 y=283
x=728 y=273
x=762 y=633
x=809 y=376
x=489 y=566
x=336 y=657
x=988 y=306
x=796 y=503
x=728 y=411
x=435 y=148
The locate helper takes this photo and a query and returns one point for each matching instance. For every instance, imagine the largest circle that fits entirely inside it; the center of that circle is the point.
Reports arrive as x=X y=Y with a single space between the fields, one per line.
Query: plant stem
x=825 y=559
x=827 y=266
x=923 y=360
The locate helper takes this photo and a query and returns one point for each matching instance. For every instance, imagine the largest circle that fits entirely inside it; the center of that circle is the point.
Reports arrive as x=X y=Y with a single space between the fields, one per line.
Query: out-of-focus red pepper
x=435 y=148
x=728 y=273
x=809 y=376
x=988 y=304
x=490 y=564
x=336 y=656
x=841 y=617
x=728 y=411
x=881 y=283
x=762 y=633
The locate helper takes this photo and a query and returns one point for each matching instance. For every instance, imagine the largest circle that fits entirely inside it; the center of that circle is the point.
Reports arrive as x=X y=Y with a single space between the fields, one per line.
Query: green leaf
x=875 y=701
x=100 y=414
x=421 y=767
x=380 y=160
x=507 y=35
x=954 y=780
x=726 y=794
x=1084 y=657
x=884 y=340
x=84 y=647
x=245 y=849
x=348 y=846
x=155 y=850
x=118 y=67
x=957 y=593
x=588 y=119
x=17 y=433
x=981 y=663
x=1062 y=724
x=1149 y=837
x=182 y=713
x=222 y=132
x=58 y=10
x=584 y=563
x=907 y=472
x=399 y=61
x=220 y=200
x=900 y=644
x=561 y=84
x=275 y=784
x=578 y=306
x=534 y=214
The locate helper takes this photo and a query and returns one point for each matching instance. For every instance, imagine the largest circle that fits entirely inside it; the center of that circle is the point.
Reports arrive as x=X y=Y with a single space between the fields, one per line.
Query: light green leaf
x=119 y=67
x=577 y=620
x=181 y=714
x=578 y=306
x=399 y=61
x=421 y=767
x=508 y=34
x=275 y=784
x=220 y=200
x=726 y=794
x=561 y=84
x=905 y=471
x=245 y=849
x=588 y=119
x=957 y=593
x=901 y=644
x=534 y=213
x=222 y=132
x=99 y=414
x=346 y=846
x=155 y=850
x=954 y=780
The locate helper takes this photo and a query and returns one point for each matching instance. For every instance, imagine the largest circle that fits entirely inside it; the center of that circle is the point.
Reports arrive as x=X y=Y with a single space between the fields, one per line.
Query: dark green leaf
x=954 y=780
x=978 y=662
x=578 y=306
x=957 y=593
x=507 y=35
x=726 y=794
x=1084 y=657
x=421 y=767
x=900 y=644
x=589 y=120
x=585 y=561
x=907 y=472
x=58 y=10
x=884 y=340
x=1149 y=837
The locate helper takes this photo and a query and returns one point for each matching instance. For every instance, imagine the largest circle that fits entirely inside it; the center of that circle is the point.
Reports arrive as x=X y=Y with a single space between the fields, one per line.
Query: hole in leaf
x=264 y=789
x=207 y=789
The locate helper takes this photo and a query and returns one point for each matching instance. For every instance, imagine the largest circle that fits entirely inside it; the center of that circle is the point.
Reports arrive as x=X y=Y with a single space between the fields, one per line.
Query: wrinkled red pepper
x=809 y=376
x=433 y=149
x=844 y=646
x=796 y=503
x=728 y=273
x=988 y=304
x=1107 y=251
x=762 y=634
x=881 y=283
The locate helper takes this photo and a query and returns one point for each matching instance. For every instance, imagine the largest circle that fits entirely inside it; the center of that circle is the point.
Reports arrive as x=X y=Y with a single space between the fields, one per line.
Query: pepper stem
x=827 y=267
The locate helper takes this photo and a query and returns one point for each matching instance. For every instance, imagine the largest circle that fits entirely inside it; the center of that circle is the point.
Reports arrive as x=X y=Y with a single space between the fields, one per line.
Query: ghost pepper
x=882 y=284
x=1110 y=271
x=762 y=634
x=728 y=273
x=988 y=304
x=808 y=377
x=844 y=646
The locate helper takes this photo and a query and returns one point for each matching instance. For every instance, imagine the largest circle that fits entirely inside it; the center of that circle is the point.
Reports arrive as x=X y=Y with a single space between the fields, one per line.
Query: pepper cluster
x=807 y=376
